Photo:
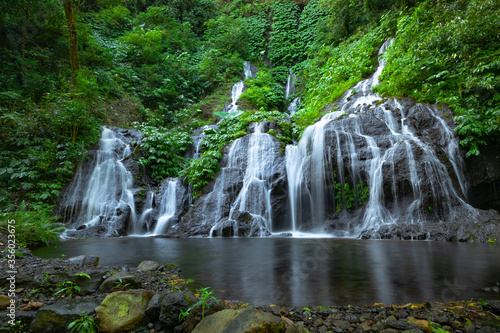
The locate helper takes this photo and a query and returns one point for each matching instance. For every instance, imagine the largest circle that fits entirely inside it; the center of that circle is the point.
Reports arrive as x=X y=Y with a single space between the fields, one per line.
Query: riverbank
x=52 y=293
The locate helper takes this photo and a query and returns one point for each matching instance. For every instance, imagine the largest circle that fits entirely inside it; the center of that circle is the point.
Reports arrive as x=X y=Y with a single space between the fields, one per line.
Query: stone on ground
x=120 y=278
x=249 y=320
x=56 y=317
x=123 y=310
x=148 y=265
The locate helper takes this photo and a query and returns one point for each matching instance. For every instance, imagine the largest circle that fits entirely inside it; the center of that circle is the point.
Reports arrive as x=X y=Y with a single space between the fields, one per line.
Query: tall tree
x=73 y=42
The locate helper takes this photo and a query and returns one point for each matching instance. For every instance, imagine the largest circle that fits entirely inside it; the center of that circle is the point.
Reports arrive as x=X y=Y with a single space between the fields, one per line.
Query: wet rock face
x=483 y=173
x=99 y=201
x=404 y=155
x=248 y=194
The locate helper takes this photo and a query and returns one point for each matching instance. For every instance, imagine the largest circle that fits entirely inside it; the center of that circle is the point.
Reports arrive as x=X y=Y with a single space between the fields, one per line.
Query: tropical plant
x=84 y=324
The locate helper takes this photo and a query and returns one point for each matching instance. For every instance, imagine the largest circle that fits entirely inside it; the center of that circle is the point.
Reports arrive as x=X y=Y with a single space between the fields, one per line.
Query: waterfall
x=167 y=207
x=290 y=90
x=238 y=88
x=369 y=147
x=103 y=195
x=255 y=155
x=144 y=222
x=290 y=85
x=198 y=135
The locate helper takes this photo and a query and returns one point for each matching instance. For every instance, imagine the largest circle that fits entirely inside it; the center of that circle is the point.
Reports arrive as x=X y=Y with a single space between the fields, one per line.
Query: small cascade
x=102 y=195
x=290 y=85
x=364 y=166
x=254 y=155
x=198 y=135
x=146 y=218
x=290 y=90
x=239 y=87
x=168 y=206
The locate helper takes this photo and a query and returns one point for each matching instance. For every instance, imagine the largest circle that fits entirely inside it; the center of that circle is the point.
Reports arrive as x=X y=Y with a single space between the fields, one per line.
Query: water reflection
x=311 y=271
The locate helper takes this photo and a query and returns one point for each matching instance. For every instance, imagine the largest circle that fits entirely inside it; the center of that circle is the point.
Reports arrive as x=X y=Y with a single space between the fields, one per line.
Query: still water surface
x=317 y=271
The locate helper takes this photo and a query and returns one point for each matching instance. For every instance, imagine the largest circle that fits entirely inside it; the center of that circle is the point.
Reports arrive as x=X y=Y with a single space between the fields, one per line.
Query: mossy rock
x=249 y=320
x=123 y=310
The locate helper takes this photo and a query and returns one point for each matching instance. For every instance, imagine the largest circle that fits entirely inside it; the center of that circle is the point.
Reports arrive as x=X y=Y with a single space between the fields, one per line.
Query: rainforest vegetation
x=67 y=67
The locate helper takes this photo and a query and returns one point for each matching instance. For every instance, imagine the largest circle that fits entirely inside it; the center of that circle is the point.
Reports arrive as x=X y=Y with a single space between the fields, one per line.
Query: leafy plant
x=69 y=288
x=264 y=92
x=84 y=324
x=33 y=228
x=204 y=296
x=349 y=198
x=162 y=151
x=121 y=285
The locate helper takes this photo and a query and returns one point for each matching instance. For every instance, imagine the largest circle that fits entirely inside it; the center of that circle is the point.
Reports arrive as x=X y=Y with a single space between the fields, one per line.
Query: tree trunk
x=73 y=43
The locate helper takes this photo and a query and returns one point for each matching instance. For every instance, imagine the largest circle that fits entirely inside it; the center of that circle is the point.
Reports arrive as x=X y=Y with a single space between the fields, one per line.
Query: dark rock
x=342 y=324
x=122 y=278
x=212 y=208
x=196 y=314
x=90 y=286
x=56 y=317
x=401 y=325
x=154 y=306
x=171 y=307
x=85 y=260
x=296 y=328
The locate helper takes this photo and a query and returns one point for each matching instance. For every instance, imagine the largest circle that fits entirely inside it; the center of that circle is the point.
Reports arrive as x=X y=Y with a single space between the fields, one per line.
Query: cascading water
x=255 y=156
x=167 y=208
x=367 y=155
x=290 y=90
x=104 y=197
x=239 y=87
x=198 y=135
x=145 y=220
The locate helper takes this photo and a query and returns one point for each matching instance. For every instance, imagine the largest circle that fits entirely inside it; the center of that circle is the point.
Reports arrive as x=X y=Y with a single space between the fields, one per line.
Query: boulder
x=90 y=286
x=154 y=306
x=121 y=278
x=123 y=310
x=148 y=265
x=171 y=307
x=85 y=260
x=248 y=320
x=56 y=317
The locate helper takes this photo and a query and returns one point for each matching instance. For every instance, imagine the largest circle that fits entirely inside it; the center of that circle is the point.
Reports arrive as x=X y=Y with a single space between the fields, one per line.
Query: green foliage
x=257 y=26
x=284 y=47
x=84 y=324
x=350 y=198
x=203 y=299
x=334 y=70
x=33 y=228
x=121 y=285
x=204 y=169
x=447 y=52
x=311 y=19
x=68 y=288
x=162 y=151
x=264 y=92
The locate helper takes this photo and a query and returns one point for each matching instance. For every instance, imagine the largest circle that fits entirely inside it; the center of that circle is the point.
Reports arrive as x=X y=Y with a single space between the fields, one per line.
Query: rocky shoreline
x=52 y=293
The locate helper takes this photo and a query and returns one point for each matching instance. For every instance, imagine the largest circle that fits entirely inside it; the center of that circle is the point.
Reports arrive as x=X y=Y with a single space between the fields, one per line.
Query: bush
x=33 y=228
